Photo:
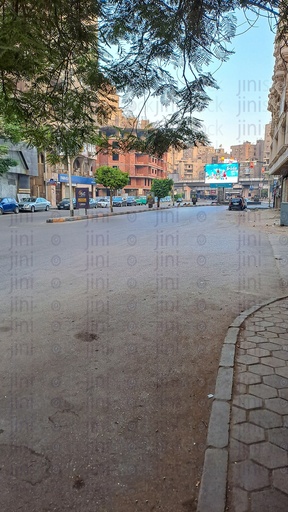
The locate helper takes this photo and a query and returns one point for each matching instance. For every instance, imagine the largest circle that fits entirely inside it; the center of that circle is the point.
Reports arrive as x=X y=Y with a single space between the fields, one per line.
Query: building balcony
x=279 y=163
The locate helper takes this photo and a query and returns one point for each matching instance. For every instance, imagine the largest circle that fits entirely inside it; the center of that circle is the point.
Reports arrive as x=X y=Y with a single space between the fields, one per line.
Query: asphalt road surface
x=110 y=335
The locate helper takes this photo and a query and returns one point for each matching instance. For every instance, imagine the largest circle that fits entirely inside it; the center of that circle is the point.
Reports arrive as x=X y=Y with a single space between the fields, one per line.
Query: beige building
x=189 y=163
x=278 y=103
x=244 y=152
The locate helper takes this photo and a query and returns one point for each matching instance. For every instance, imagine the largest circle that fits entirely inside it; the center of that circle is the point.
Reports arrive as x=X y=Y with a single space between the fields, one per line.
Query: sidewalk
x=246 y=460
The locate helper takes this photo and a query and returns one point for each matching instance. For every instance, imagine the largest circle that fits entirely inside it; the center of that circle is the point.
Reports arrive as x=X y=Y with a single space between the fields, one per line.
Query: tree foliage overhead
x=61 y=59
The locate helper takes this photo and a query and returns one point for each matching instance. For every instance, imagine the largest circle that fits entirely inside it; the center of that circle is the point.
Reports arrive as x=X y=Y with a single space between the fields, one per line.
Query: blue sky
x=238 y=110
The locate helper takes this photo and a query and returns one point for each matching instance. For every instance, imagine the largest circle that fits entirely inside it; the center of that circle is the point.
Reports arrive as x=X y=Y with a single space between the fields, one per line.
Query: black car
x=65 y=204
x=131 y=201
x=119 y=201
x=237 y=203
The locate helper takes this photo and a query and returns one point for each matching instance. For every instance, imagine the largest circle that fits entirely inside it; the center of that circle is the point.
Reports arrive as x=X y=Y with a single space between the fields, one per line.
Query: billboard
x=221 y=174
x=82 y=198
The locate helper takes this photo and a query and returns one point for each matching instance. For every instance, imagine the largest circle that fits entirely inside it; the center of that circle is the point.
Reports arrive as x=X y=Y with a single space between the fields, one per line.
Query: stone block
x=279 y=436
x=262 y=391
x=265 y=419
x=278 y=405
x=223 y=389
x=218 y=429
x=249 y=476
x=212 y=494
x=266 y=501
x=247 y=433
x=269 y=455
x=247 y=401
x=227 y=355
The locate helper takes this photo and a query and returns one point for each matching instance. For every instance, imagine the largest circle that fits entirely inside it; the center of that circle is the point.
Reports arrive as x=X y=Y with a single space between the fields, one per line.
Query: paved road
x=111 y=332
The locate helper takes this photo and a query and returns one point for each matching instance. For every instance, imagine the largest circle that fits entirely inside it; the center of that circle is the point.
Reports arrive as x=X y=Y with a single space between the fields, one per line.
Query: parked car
x=237 y=203
x=119 y=201
x=131 y=201
x=93 y=202
x=141 y=200
x=8 y=204
x=65 y=204
x=34 y=204
x=103 y=202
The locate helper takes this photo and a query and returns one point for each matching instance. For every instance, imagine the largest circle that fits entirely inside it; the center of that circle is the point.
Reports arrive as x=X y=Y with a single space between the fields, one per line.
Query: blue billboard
x=221 y=174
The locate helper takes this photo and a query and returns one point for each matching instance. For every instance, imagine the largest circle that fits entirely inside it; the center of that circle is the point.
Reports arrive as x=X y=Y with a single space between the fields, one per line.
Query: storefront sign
x=76 y=180
x=82 y=198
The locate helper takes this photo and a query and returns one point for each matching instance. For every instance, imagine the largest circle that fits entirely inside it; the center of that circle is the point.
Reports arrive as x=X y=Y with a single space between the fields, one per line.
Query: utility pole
x=45 y=174
x=70 y=186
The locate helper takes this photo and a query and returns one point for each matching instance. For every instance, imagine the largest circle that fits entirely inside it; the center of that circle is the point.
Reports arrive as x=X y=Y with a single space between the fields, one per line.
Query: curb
x=95 y=216
x=212 y=493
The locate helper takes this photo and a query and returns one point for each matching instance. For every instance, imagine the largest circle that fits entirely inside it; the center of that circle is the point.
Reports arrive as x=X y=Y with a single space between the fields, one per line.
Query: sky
x=238 y=110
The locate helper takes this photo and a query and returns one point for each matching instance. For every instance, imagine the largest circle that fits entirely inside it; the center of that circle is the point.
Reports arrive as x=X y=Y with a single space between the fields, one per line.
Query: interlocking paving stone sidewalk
x=258 y=438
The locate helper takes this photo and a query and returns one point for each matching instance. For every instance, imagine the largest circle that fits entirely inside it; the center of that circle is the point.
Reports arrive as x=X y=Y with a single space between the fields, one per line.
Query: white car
x=103 y=203
x=34 y=204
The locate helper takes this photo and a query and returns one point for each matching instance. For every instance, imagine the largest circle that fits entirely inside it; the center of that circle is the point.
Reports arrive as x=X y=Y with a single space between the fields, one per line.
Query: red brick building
x=142 y=169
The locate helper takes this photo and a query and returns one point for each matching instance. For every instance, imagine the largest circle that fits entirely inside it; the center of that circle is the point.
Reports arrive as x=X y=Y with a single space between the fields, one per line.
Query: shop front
x=83 y=181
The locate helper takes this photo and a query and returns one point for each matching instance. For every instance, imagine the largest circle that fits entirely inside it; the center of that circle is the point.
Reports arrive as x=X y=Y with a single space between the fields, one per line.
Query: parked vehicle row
x=34 y=204
x=104 y=202
x=27 y=204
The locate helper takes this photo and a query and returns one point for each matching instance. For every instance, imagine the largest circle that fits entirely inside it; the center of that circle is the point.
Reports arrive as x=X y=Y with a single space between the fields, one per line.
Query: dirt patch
x=87 y=336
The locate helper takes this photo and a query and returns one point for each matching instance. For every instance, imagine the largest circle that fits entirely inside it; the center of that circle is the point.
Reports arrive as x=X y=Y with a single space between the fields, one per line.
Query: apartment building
x=189 y=163
x=243 y=152
x=278 y=103
x=142 y=168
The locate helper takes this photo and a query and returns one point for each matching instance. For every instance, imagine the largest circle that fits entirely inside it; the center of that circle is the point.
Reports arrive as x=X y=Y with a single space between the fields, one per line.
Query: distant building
x=244 y=152
x=190 y=163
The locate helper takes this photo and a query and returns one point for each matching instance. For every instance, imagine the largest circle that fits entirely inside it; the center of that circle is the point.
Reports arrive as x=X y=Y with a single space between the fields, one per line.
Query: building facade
x=278 y=106
x=17 y=182
x=190 y=163
x=142 y=169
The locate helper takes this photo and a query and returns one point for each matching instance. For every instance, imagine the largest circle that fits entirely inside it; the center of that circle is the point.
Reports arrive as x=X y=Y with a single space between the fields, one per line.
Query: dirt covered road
x=111 y=333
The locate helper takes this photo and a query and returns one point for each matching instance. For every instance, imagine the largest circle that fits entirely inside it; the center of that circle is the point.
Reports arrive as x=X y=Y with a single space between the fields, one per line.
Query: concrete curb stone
x=94 y=216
